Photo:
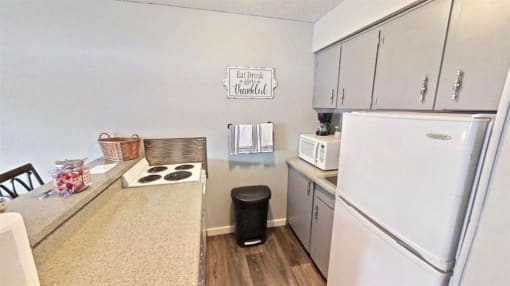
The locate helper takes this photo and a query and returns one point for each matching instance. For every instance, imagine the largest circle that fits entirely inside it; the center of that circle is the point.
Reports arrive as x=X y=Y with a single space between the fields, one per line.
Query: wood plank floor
x=281 y=260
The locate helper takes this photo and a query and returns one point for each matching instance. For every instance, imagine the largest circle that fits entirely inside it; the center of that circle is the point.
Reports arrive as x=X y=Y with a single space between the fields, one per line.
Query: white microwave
x=320 y=151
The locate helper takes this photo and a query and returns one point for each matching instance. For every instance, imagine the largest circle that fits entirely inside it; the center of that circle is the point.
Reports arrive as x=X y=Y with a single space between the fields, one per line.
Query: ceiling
x=298 y=10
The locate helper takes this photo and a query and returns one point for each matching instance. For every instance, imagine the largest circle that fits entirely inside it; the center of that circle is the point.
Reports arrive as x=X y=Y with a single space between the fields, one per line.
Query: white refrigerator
x=405 y=184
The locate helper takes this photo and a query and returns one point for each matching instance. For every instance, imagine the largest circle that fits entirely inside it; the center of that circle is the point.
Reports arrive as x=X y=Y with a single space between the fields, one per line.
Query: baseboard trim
x=231 y=228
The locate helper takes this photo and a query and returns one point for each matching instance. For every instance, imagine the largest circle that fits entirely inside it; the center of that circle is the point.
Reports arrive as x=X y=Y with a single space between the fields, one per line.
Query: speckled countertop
x=107 y=235
x=41 y=217
x=134 y=236
x=313 y=173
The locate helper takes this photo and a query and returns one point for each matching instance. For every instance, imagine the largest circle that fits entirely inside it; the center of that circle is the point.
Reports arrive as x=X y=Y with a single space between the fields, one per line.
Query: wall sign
x=250 y=82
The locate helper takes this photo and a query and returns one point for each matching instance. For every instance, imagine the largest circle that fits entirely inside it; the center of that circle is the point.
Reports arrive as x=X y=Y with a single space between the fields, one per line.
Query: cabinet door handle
x=423 y=88
x=332 y=95
x=457 y=84
x=316 y=214
x=309 y=189
x=342 y=96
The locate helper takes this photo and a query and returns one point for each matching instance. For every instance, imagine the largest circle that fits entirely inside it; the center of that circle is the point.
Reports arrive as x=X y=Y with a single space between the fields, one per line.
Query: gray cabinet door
x=478 y=45
x=410 y=56
x=299 y=206
x=357 y=70
x=322 y=226
x=326 y=77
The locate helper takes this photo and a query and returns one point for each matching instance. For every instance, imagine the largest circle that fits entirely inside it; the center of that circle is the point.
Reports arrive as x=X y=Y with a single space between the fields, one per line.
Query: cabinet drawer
x=325 y=196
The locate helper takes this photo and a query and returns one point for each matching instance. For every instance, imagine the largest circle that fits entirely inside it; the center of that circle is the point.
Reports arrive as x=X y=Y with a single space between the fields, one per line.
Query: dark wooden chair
x=12 y=177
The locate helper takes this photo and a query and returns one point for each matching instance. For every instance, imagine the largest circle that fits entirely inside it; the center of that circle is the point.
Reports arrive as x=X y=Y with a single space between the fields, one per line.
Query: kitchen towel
x=246 y=143
x=17 y=265
x=250 y=138
x=265 y=137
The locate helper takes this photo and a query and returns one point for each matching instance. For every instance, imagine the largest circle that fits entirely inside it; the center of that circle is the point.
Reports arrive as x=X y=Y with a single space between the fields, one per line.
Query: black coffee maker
x=324 y=124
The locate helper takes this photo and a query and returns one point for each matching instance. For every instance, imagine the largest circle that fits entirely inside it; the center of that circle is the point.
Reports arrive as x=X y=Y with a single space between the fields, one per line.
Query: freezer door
x=363 y=255
x=413 y=175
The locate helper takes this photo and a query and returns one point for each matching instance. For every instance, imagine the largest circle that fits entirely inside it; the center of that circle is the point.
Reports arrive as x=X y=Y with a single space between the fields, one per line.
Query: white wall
x=71 y=69
x=350 y=16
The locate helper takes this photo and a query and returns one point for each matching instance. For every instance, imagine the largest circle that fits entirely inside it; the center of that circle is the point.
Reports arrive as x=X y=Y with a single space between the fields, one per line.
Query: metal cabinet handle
x=309 y=189
x=423 y=88
x=342 y=96
x=316 y=214
x=332 y=95
x=457 y=84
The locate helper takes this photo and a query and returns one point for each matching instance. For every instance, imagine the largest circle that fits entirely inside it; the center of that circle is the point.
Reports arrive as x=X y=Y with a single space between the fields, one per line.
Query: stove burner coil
x=148 y=179
x=157 y=169
x=176 y=176
x=185 y=167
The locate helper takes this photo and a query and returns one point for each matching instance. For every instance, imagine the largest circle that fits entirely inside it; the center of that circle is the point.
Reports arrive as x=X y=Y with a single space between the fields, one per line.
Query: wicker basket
x=119 y=148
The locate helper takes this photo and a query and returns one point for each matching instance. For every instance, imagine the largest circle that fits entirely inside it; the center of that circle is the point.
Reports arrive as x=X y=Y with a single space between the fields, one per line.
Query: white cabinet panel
x=488 y=258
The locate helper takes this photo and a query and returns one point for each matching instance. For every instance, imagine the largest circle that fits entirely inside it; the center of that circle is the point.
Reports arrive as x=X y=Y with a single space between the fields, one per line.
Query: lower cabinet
x=310 y=211
x=322 y=225
x=299 y=206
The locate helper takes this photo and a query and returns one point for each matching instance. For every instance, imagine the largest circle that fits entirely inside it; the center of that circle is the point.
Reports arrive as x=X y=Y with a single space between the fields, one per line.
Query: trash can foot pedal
x=252 y=242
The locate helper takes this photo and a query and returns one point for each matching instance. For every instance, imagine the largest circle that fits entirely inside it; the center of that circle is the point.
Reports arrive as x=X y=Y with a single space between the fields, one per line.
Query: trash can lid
x=251 y=194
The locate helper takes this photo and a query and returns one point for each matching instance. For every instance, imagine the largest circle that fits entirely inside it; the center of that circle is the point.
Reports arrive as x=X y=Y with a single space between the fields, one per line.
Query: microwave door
x=308 y=150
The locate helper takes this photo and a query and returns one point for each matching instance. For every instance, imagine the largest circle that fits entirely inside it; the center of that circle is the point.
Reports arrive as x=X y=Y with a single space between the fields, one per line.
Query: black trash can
x=250 y=207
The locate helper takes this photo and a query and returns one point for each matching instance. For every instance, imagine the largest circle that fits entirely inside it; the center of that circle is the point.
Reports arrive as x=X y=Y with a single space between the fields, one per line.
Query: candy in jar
x=71 y=176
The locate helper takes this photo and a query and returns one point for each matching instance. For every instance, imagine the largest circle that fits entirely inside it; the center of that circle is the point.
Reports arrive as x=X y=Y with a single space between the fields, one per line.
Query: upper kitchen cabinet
x=409 y=58
x=326 y=77
x=357 y=71
x=477 y=56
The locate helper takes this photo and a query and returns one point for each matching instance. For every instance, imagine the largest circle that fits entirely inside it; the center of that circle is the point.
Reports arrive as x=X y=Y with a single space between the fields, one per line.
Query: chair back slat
x=19 y=181
x=9 y=192
x=11 y=176
x=29 y=177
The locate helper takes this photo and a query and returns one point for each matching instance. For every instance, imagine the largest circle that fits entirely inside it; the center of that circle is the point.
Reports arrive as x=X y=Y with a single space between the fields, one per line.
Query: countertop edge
x=313 y=173
x=51 y=222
